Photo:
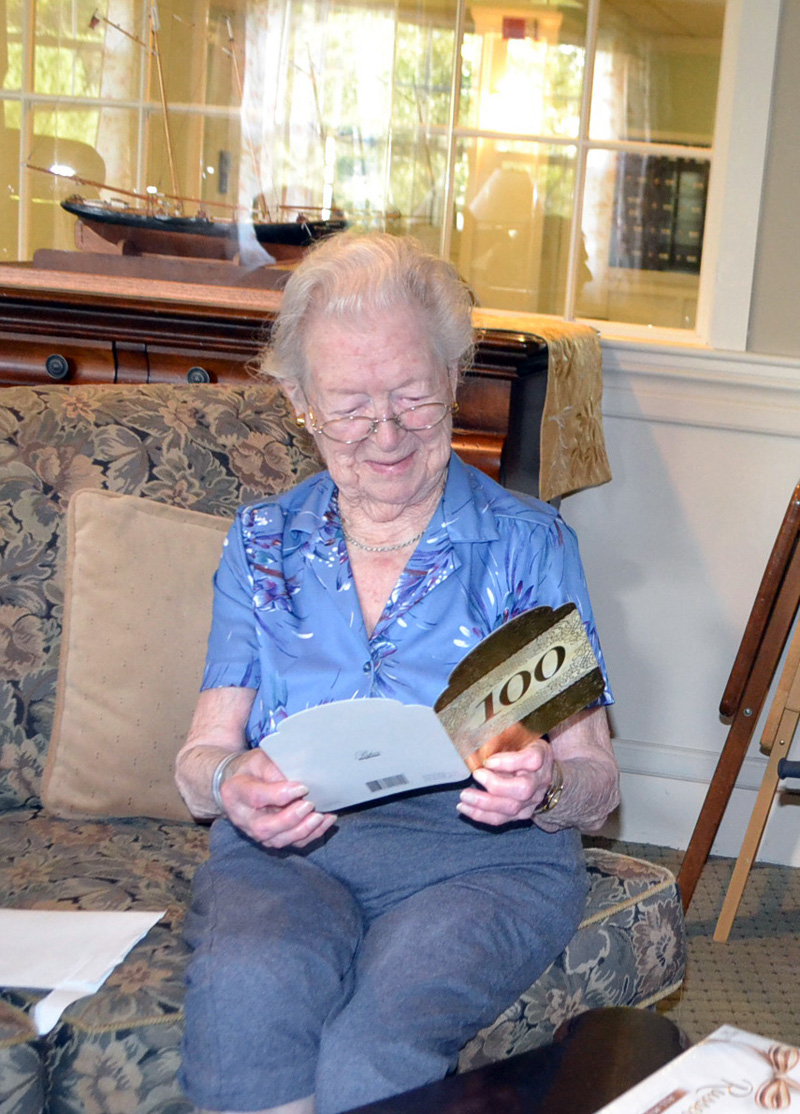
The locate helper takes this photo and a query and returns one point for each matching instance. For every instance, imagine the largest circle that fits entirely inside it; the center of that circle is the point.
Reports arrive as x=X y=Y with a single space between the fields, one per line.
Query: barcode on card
x=387 y=783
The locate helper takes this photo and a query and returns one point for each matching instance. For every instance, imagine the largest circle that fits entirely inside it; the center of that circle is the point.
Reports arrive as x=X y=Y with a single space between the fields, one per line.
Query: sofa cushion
x=137 y=611
x=22 y=1086
x=202 y=447
x=119 y=1049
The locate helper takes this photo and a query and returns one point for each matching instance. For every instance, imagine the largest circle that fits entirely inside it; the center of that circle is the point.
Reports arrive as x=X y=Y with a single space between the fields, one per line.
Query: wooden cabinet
x=96 y=337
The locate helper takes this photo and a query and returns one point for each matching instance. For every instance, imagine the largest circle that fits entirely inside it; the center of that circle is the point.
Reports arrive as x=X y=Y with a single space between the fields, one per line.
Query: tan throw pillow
x=137 y=611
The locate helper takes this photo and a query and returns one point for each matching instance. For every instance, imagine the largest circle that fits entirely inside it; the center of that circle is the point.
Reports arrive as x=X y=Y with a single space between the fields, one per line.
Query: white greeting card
x=353 y=751
x=68 y=952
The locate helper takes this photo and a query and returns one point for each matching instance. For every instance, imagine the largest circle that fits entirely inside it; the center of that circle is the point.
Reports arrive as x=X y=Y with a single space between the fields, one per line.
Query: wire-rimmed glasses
x=413 y=419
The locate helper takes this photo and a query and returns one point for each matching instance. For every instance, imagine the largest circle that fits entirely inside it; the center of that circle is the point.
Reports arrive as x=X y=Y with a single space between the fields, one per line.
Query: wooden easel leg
x=717 y=797
x=750 y=843
x=778 y=737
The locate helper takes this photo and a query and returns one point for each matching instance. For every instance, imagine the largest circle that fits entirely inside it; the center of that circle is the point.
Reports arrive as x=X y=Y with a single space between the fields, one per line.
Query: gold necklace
x=381 y=548
x=387 y=548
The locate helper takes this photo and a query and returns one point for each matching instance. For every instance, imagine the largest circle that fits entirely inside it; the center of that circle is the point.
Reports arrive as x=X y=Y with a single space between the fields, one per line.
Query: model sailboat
x=156 y=223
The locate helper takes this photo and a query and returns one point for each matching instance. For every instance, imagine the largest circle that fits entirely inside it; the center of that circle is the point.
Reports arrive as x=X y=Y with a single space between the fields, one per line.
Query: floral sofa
x=204 y=449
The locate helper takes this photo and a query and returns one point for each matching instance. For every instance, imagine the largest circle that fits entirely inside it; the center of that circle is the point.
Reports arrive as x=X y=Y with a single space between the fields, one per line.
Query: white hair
x=350 y=275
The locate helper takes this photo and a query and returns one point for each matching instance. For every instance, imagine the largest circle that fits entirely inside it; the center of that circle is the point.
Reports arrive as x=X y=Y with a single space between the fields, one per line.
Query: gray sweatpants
x=358 y=968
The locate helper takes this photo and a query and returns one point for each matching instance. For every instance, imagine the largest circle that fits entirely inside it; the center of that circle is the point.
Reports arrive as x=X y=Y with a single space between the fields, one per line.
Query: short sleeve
x=232 y=658
x=551 y=574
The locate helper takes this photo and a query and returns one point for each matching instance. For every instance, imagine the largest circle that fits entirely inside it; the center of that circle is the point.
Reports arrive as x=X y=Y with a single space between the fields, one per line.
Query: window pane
x=64 y=141
x=202 y=53
x=9 y=193
x=186 y=139
x=318 y=98
x=421 y=93
x=69 y=55
x=117 y=143
x=69 y=141
x=11 y=47
x=210 y=161
x=221 y=154
x=643 y=224
x=417 y=178
x=423 y=67
x=656 y=70
x=522 y=72
x=513 y=210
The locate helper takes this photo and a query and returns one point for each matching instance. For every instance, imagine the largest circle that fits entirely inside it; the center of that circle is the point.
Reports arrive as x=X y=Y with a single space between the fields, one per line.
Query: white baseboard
x=682 y=763
x=663 y=789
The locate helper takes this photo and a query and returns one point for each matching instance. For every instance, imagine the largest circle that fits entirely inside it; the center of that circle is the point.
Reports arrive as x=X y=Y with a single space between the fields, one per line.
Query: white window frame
x=738 y=154
x=749 y=50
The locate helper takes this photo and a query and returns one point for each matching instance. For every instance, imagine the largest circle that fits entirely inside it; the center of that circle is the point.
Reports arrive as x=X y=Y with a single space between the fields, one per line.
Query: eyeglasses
x=414 y=419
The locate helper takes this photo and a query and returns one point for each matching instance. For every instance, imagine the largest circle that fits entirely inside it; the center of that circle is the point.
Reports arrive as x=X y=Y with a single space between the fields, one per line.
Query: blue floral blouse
x=287 y=620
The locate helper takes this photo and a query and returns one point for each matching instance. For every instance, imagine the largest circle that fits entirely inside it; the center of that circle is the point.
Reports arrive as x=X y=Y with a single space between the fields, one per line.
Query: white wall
x=705 y=452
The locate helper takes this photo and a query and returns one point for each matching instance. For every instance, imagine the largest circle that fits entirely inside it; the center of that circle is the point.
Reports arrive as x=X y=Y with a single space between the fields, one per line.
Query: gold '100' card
x=537 y=669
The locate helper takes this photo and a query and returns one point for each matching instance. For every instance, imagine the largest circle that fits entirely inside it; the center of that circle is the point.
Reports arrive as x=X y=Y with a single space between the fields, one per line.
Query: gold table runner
x=573 y=451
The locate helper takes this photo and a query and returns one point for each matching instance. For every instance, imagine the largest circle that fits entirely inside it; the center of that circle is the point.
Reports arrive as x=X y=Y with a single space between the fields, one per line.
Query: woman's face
x=376 y=368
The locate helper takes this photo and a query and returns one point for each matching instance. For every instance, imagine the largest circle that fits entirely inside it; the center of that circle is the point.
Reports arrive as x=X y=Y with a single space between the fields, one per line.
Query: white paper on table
x=351 y=751
x=730 y=1072
x=69 y=952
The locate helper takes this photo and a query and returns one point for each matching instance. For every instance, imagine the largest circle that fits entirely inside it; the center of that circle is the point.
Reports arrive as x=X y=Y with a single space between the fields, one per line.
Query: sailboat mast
x=154 y=29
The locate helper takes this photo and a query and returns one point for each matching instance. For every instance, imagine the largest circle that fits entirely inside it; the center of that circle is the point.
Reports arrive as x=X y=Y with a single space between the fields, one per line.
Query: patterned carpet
x=752 y=980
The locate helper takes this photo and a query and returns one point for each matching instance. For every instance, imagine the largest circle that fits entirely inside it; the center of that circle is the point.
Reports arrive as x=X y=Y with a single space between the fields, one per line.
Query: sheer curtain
x=124 y=65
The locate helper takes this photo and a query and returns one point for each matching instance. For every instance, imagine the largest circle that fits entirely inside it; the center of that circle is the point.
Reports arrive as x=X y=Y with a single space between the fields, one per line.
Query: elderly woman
x=341 y=959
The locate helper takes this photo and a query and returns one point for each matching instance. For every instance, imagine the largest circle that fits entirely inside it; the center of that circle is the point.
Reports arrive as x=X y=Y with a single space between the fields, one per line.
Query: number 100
x=518 y=684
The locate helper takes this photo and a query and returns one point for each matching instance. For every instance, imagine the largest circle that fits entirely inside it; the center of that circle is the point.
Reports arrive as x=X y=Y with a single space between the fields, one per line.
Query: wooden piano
x=100 y=333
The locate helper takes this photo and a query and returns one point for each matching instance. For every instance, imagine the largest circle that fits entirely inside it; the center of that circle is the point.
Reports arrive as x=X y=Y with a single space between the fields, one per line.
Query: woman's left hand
x=516 y=776
x=514 y=779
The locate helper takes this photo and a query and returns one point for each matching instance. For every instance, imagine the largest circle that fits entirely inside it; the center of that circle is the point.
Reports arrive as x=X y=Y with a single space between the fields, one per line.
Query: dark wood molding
x=85 y=336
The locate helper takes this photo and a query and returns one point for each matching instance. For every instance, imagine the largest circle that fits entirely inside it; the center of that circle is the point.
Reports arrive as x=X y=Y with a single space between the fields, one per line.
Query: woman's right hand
x=257 y=797
x=266 y=807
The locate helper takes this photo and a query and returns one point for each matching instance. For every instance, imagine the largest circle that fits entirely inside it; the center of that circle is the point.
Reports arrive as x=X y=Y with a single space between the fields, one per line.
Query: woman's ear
x=296 y=396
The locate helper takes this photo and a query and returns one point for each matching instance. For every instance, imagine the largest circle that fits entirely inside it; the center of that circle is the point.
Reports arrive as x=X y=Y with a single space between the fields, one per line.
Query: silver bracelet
x=219 y=774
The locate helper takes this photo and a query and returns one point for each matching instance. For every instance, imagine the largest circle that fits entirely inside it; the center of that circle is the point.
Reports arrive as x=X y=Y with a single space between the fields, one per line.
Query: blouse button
x=367 y=666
